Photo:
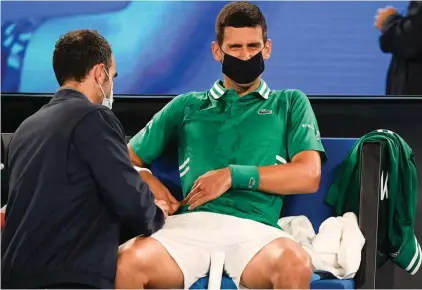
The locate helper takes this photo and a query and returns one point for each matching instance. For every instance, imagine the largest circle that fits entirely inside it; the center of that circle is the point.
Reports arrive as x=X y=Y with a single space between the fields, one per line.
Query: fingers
x=174 y=207
x=195 y=189
x=169 y=208
x=194 y=198
x=160 y=202
x=163 y=205
x=171 y=198
x=200 y=201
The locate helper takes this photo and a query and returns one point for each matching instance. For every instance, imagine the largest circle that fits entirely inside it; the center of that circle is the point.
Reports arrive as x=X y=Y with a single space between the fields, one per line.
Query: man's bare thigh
x=145 y=263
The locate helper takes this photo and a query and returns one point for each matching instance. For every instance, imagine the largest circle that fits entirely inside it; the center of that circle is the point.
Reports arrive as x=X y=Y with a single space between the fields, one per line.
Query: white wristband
x=139 y=169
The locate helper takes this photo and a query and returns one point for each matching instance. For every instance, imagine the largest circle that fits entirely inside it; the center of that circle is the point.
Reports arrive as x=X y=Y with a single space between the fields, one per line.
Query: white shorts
x=191 y=238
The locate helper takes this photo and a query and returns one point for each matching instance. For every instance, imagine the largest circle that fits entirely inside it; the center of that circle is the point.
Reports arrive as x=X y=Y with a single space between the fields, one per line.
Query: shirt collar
x=69 y=92
x=218 y=90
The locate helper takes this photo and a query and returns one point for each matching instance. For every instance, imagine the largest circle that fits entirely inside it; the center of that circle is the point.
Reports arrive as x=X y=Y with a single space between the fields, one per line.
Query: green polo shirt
x=216 y=128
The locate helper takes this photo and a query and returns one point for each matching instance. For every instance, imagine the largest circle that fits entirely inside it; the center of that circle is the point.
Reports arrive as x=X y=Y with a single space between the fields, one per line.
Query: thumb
x=171 y=198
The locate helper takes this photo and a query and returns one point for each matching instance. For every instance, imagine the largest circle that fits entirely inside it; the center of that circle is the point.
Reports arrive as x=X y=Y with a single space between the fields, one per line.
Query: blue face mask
x=107 y=101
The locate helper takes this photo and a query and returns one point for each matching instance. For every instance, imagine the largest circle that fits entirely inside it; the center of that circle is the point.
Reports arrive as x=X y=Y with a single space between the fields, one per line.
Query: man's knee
x=144 y=262
x=133 y=262
x=291 y=259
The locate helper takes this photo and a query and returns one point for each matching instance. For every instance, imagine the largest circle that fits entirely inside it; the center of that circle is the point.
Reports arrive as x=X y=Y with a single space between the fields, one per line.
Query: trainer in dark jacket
x=402 y=37
x=71 y=187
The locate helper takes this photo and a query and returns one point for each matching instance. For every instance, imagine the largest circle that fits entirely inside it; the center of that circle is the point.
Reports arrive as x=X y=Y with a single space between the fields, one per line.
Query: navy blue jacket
x=71 y=188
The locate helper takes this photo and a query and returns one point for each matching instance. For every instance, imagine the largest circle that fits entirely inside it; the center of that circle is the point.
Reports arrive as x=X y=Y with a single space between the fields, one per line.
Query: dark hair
x=239 y=14
x=77 y=52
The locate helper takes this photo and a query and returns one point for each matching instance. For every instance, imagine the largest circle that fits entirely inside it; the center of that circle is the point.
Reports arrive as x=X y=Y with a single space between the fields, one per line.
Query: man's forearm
x=301 y=175
x=136 y=160
x=291 y=178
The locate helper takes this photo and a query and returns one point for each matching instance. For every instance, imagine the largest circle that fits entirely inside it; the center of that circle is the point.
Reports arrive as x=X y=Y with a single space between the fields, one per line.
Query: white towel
x=336 y=248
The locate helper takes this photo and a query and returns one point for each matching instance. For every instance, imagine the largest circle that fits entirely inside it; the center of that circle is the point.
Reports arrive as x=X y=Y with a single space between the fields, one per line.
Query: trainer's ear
x=98 y=72
x=217 y=52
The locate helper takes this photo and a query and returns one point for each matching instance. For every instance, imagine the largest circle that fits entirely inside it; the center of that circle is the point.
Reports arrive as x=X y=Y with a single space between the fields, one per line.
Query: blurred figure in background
x=402 y=37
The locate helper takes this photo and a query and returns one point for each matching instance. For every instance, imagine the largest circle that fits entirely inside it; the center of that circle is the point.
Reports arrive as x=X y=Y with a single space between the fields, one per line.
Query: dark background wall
x=337 y=117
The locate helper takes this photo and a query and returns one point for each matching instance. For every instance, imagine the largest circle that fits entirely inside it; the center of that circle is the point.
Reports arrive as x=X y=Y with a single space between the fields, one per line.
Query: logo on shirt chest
x=264 y=112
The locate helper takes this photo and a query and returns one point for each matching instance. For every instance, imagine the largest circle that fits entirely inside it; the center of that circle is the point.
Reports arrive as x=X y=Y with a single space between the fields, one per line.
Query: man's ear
x=98 y=72
x=266 y=52
x=216 y=52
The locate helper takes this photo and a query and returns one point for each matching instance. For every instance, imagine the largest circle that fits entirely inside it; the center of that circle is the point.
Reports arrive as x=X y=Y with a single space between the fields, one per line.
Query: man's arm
x=159 y=190
x=149 y=143
x=99 y=138
x=401 y=35
x=136 y=160
x=301 y=175
x=306 y=153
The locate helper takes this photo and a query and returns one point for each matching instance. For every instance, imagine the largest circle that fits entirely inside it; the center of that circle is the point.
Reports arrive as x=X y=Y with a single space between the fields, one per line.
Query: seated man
x=241 y=148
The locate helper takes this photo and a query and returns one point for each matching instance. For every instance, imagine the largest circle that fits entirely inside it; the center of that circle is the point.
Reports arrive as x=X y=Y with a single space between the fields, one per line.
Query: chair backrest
x=166 y=169
x=311 y=205
x=6 y=138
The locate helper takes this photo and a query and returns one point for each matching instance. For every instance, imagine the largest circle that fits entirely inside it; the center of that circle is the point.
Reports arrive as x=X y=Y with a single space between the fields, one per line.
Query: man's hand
x=382 y=15
x=162 y=204
x=208 y=187
x=160 y=191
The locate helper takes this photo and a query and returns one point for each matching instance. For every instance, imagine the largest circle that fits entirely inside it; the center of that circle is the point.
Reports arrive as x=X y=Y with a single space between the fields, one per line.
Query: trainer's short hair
x=77 y=52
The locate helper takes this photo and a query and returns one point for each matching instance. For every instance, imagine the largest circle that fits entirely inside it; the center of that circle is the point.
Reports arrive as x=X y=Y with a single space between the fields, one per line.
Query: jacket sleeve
x=401 y=35
x=403 y=199
x=100 y=140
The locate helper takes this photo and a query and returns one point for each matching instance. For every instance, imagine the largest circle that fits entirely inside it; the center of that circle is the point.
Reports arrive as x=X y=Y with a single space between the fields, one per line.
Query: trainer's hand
x=162 y=204
x=208 y=187
x=160 y=191
x=382 y=15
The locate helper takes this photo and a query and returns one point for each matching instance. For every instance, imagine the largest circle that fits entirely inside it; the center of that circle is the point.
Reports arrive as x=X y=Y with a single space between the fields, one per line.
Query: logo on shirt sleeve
x=312 y=127
x=308 y=126
x=318 y=135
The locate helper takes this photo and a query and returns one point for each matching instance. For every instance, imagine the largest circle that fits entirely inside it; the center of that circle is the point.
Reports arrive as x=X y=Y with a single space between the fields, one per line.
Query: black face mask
x=243 y=71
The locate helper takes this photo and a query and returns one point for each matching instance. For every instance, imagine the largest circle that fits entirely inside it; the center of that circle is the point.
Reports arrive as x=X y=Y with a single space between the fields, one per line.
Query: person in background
x=241 y=147
x=401 y=35
x=71 y=182
x=4 y=181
